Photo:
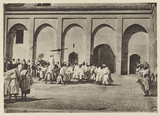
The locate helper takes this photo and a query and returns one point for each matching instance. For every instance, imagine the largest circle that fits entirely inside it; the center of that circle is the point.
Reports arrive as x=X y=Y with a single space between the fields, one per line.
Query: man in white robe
x=93 y=73
x=11 y=82
x=80 y=73
x=146 y=80
x=87 y=71
x=62 y=76
x=49 y=75
x=75 y=74
x=106 y=77
x=69 y=73
x=99 y=74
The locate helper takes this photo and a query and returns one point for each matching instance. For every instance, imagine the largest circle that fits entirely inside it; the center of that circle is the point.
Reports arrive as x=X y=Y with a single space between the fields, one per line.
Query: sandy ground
x=125 y=95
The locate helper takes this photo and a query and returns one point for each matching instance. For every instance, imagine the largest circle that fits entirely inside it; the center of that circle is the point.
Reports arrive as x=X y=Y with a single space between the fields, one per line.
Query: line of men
x=63 y=74
x=144 y=78
x=17 y=76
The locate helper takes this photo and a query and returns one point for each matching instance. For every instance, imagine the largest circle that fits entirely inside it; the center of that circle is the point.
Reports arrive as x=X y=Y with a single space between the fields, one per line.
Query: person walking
x=25 y=82
x=146 y=79
x=106 y=77
x=49 y=73
x=11 y=82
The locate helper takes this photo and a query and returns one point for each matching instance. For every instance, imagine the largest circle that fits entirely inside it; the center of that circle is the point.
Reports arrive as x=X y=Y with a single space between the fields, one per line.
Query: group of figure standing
x=62 y=74
x=17 y=76
x=144 y=78
x=95 y=74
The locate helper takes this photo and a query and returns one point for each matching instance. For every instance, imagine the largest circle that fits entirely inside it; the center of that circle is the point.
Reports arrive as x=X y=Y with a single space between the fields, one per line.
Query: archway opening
x=74 y=39
x=73 y=58
x=134 y=35
x=103 y=54
x=44 y=41
x=103 y=34
x=16 y=43
x=134 y=60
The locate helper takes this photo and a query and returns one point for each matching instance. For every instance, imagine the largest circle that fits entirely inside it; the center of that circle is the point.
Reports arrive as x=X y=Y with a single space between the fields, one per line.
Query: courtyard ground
x=125 y=95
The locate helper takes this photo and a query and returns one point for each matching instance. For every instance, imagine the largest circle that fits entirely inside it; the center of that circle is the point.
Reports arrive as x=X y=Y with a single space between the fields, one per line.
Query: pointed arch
x=10 y=38
x=63 y=37
x=131 y=30
x=38 y=30
x=94 y=33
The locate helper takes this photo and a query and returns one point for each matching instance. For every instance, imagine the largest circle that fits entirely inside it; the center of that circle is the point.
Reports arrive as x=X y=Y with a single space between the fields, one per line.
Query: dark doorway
x=104 y=54
x=73 y=58
x=134 y=60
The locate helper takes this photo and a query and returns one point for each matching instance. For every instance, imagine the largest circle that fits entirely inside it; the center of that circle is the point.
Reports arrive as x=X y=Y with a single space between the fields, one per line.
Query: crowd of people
x=63 y=74
x=144 y=78
x=17 y=76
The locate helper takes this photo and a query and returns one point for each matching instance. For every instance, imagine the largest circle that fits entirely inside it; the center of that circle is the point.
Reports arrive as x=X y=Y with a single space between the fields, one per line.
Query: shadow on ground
x=19 y=99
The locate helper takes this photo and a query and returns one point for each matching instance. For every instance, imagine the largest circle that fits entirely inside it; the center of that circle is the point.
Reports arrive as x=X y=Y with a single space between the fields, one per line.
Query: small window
x=19 y=37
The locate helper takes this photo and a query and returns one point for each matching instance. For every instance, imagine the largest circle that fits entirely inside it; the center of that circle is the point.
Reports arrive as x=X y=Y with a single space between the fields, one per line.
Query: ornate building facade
x=119 y=35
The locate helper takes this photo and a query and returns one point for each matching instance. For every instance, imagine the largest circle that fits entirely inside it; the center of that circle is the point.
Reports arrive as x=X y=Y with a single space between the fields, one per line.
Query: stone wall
x=86 y=29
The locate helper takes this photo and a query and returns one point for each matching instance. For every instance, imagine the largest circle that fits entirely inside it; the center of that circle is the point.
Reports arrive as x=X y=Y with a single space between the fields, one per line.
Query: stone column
x=151 y=48
x=151 y=43
x=119 y=45
x=5 y=37
x=88 y=39
x=31 y=37
x=59 y=39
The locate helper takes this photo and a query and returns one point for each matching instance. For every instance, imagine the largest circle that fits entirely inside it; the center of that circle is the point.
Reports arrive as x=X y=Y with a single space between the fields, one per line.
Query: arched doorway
x=44 y=41
x=104 y=54
x=103 y=34
x=134 y=60
x=73 y=58
x=16 y=43
x=134 y=41
x=73 y=38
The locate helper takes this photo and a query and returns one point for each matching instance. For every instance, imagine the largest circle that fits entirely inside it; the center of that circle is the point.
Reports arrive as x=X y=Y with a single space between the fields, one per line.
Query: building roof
x=76 y=7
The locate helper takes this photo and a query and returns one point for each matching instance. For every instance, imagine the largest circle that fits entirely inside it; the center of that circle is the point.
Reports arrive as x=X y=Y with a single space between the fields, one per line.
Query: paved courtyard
x=125 y=95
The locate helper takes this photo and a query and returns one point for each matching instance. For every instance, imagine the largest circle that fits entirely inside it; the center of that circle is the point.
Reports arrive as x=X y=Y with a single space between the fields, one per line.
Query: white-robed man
x=49 y=74
x=146 y=79
x=80 y=73
x=87 y=71
x=62 y=75
x=75 y=74
x=93 y=72
x=99 y=74
x=69 y=72
x=106 y=77
x=11 y=82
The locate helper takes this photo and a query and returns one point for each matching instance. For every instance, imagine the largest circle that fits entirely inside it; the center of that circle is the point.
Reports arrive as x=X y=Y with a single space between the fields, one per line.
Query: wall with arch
x=87 y=32
x=46 y=41
x=98 y=21
x=138 y=44
x=105 y=35
x=17 y=51
x=74 y=41
x=135 y=41
x=74 y=32
x=145 y=23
